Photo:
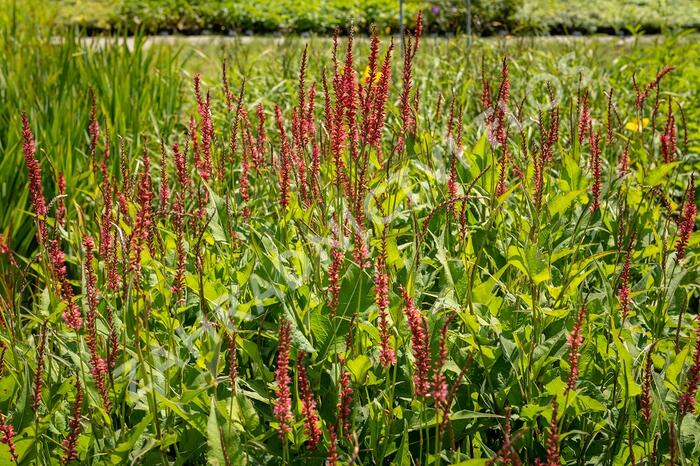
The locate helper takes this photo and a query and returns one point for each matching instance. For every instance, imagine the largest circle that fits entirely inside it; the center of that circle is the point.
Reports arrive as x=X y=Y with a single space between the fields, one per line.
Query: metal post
x=401 y=24
x=469 y=23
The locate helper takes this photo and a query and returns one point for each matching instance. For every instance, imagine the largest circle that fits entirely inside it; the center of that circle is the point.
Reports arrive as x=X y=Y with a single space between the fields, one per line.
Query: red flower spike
x=686 y=402
x=7 y=436
x=575 y=340
x=420 y=344
x=687 y=221
x=344 y=405
x=36 y=189
x=283 y=400
x=387 y=357
x=98 y=366
x=595 y=170
x=70 y=443
x=308 y=405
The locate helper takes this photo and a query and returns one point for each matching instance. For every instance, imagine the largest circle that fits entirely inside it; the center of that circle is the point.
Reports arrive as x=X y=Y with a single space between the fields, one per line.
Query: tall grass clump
x=49 y=75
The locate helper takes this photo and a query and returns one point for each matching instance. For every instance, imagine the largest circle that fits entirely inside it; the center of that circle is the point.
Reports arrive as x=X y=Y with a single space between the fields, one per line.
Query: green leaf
x=355 y=296
x=192 y=419
x=298 y=338
x=532 y=411
x=690 y=435
x=121 y=453
x=216 y=209
x=556 y=388
x=530 y=262
x=537 y=266
x=393 y=256
x=7 y=388
x=321 y=328
x=673 y=372
x=589 y=404
x=359 y=367
x=42 y=308
x=626 y=375
x=402 y=455
x=473 y=462
x=215 y=452
x=655 y=176
x=432 y=421
x=515 y=258
x=253 y=352
x=479 y=148
x=240 y=412
x=563 y=202
x=572 y=173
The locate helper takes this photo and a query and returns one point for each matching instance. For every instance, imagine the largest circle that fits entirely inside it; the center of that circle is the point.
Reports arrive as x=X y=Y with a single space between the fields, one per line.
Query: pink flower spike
x=283 y=399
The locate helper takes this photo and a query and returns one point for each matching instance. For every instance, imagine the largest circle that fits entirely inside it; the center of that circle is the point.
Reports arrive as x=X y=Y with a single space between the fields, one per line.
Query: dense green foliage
x=607 y=15
x=505 y=275
x=322 y=16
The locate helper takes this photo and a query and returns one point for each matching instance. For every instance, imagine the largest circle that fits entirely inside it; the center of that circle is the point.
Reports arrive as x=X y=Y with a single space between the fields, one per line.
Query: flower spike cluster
x=687 y=220
x=283 y=399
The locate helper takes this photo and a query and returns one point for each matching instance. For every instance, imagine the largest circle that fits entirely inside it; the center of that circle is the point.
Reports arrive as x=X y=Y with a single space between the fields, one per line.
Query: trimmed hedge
x=286 y=16
x=323 y=16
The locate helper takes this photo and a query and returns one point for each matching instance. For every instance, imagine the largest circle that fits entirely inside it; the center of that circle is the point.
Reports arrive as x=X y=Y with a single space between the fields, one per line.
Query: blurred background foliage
x=323 y=16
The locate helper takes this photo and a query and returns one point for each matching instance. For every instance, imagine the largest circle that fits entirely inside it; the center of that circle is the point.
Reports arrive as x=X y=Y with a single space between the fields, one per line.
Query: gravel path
x=208 y=40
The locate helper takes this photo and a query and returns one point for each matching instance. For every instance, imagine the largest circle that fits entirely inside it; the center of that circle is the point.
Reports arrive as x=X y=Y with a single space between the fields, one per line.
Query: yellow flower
x=637 y=125
x=365 y=76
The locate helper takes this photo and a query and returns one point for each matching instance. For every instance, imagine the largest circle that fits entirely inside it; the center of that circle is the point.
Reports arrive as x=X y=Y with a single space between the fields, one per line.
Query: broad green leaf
x=7 y=388
x=655 y=176
x=690 y=435
x=573 y=173
x=673 y=371
x=403 y=454
x=298 y=338
x=532 y=411
x=321 y=328
x=563 y=202
x=42 y=308
x=359 y=367
x=532 y=263
x=240 y=412
x=626 y=371
x=537 y=266
x=589 y=404
x=122 y=450
x=216 y=209
x=432 y=421
x=215 y=451
x=515 y=257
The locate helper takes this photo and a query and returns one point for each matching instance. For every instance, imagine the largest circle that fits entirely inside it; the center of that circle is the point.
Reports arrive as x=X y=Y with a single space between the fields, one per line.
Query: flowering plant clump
x=370 y=260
